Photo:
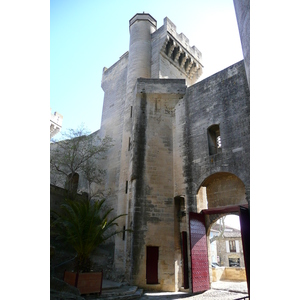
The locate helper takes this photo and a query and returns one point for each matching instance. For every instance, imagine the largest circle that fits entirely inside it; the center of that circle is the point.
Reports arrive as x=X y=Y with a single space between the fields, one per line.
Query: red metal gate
x=199 y=255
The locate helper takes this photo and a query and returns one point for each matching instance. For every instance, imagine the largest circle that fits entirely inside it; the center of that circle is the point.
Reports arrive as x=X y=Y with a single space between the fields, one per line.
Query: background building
x=55 y=123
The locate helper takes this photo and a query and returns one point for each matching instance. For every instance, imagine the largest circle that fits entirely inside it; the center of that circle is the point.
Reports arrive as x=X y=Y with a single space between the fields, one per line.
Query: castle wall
x=160 y=155
x=114 y=85
x=220 y=99
x=167 y=47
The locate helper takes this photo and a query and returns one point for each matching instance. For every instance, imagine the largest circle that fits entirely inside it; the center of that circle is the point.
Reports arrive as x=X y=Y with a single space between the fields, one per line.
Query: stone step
x=132 y=293
x=120 y=291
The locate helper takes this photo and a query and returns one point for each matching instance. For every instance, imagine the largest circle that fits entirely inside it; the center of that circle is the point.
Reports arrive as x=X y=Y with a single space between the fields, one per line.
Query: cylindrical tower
x=141 y=26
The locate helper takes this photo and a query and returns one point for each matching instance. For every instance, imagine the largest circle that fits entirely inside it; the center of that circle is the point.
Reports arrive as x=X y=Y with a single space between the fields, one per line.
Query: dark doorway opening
x=185 y=265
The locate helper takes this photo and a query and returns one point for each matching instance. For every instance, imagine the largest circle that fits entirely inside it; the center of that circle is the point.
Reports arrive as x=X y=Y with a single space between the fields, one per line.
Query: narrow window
x=123 y=233
x=214 y=139
x=129 y=144
x=126 y=187
x=232 y=246
x=130 y=111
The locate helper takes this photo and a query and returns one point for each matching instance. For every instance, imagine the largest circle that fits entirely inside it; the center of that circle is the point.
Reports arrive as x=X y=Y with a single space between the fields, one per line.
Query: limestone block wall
x=112 y=123
x=231 y=274
x=221 y=99
x=153 y=181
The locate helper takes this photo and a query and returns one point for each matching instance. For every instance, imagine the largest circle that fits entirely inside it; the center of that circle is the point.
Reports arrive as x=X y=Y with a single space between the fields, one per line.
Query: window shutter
x=227 y=246
x=237 y=246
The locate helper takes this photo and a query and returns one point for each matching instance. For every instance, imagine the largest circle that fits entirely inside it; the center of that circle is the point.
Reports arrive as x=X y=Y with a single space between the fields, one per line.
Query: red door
x=199 y=256
x=152 y=265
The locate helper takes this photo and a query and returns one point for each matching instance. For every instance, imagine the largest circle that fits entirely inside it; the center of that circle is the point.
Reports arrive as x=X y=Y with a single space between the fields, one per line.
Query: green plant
x=84 y=225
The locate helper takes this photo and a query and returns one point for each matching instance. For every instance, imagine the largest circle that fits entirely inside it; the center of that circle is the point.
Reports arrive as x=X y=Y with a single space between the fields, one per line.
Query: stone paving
x=225 y=290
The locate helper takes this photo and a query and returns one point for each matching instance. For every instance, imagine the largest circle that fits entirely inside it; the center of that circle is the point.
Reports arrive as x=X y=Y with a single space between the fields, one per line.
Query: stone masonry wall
x=220 y=99
x=153 y=172
x=114 y=86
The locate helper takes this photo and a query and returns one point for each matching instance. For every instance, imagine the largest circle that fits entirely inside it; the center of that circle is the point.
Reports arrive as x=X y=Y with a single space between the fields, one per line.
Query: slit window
x=123 y=233
x=214 y=139
x=126 y=187
x=129 y=144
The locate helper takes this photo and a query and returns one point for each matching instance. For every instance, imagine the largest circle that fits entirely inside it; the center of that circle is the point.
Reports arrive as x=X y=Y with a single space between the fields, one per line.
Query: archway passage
x=219 y=194
x=244 y=214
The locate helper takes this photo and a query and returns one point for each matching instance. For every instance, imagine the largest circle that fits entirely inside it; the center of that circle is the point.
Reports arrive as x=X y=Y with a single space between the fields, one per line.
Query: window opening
x=129 y=144
x=234 y=262
x=126 y=187
x=214 y=139
x=123 y=233
x=232 y=247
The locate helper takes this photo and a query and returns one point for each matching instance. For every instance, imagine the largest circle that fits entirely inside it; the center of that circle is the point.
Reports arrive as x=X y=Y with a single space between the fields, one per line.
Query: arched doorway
x=219 y=194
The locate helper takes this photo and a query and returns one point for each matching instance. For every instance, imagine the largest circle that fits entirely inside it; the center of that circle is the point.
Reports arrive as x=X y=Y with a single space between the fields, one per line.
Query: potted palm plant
x=84 y=224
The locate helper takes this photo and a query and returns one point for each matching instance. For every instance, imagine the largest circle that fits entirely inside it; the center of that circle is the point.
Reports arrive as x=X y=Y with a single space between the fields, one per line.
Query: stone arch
x=221 y=189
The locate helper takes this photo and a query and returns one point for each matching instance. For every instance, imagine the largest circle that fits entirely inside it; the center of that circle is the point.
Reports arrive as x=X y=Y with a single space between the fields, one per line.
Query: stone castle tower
x=180 y=157
x=179 y=147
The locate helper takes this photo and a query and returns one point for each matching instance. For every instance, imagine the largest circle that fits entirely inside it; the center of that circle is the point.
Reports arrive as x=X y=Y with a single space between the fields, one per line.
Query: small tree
x=221 y=230
x=79 y=154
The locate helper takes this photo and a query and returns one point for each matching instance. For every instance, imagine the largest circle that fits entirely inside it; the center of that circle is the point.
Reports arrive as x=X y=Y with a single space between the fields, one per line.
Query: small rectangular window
x=234 y=262
x=129 y=144
x=130 y=111
x=126 y=187
x=123 y=233
x=214 y=139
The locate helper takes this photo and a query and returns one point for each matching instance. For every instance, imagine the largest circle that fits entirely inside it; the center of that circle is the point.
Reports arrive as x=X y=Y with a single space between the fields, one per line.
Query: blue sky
x=86 y=36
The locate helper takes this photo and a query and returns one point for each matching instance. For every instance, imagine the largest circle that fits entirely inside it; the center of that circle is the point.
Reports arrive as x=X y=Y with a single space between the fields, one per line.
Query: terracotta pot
x=87 y=283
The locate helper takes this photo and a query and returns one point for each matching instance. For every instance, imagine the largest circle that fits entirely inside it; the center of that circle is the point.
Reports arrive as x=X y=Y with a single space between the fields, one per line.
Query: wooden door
x=152 y=265
x=199 y=255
